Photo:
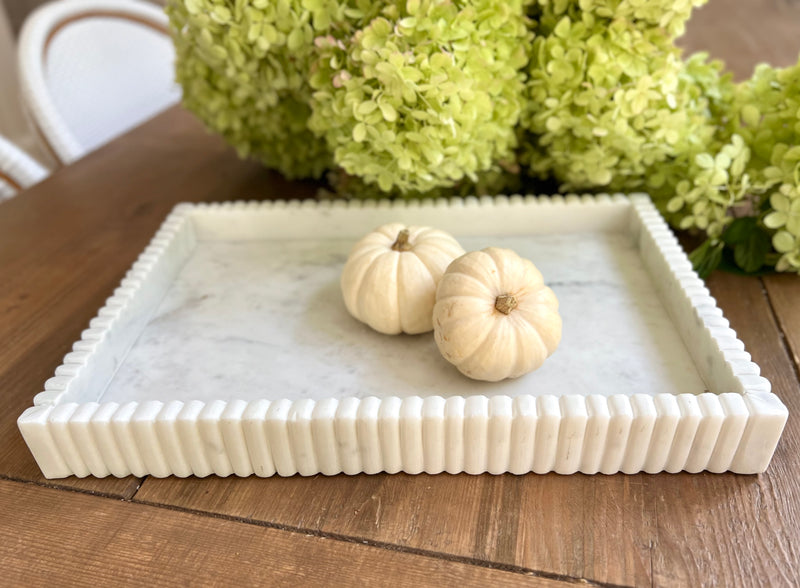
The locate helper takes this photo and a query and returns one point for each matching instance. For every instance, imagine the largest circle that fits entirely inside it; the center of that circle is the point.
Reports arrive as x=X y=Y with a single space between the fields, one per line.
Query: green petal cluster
x=427 y=98
x=609 y=101
x=710 y=186
x=425 y=95
x=768 y=116
x=244 y=67
x=496 y=180
x=668 y=15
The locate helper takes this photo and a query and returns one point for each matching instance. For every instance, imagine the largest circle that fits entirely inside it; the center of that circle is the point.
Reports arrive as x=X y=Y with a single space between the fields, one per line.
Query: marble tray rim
x=736 y=431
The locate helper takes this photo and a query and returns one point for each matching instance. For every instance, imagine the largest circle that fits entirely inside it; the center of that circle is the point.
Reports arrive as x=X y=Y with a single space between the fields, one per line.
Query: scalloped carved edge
x=737 y=430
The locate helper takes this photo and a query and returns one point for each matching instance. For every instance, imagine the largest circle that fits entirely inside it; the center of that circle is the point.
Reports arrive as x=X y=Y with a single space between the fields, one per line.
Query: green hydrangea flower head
x=427 y=98
x=609 y=101
x=767 y=115
x=426 y=94
x=244 y=68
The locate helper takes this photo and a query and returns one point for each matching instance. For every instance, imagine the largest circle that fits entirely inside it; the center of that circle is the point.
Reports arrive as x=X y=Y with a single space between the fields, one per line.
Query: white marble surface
x=265 y=319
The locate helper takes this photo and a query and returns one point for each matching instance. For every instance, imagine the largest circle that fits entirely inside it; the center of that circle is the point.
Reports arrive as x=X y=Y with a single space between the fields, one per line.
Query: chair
x=92 y=69
x=17 y=170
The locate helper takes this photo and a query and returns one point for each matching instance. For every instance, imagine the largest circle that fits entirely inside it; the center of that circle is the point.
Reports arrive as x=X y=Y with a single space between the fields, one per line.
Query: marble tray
x=227 y=350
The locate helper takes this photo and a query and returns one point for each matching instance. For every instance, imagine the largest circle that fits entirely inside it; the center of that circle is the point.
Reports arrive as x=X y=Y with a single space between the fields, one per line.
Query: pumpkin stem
x=505 y=303
x=402 y=244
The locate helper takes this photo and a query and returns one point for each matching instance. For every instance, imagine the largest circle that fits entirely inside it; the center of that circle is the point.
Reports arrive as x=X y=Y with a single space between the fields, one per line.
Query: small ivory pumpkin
x=494 y=318
x=390 y=278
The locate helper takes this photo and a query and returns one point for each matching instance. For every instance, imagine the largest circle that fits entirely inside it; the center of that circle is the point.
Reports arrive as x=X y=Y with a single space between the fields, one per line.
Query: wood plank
x=744 y=33
x=67 y=242
x=594 y=528
x=726 y=529
x=51 y=538
x=784 y=295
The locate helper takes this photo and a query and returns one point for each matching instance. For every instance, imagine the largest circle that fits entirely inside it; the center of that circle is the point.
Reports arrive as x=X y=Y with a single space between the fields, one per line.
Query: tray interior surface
x=265 y=319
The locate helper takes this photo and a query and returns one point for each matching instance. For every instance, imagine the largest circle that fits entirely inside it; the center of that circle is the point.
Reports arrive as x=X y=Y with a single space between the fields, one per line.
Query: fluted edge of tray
x=736 y=431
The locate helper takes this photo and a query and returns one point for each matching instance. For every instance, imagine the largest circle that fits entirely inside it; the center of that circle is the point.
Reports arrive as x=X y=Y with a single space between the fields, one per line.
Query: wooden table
x=64 y=246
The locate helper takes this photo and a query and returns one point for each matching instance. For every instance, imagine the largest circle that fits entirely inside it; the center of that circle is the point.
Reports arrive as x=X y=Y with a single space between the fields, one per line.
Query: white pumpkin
x=390 y=278
x=494 y=318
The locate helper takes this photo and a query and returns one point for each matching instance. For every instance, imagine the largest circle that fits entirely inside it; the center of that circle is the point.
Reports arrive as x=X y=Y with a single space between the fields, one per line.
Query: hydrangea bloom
x=768 y=117
x=608 y=102
x=244 y=68
x=426 y=94
x=412 y=98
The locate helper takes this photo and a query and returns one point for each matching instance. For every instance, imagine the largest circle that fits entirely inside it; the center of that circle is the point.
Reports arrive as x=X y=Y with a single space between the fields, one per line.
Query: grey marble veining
x=264 y=319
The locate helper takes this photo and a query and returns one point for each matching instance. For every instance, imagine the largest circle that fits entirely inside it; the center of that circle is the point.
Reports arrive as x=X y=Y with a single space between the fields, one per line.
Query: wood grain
x=728 y=529
x=595 y=528
x=52 y=538
x=744 y=33
x=784 y=294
